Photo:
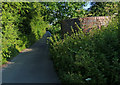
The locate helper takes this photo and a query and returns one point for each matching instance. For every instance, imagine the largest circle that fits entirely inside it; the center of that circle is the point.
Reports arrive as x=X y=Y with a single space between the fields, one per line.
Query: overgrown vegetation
x=91 y=58
x=22 y=25
x=88 y=59
x=103 y=8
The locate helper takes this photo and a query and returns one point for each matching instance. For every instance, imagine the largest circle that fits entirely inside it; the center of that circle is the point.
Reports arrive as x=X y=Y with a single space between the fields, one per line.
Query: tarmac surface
x=33 y=65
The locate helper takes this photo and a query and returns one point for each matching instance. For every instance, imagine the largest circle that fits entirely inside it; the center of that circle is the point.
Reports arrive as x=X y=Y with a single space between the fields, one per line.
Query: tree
x=57 y=11
x=103 y=8
x=22 y=25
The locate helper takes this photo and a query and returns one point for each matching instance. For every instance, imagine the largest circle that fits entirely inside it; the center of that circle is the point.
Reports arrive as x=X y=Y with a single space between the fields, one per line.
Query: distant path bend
x=33 y=65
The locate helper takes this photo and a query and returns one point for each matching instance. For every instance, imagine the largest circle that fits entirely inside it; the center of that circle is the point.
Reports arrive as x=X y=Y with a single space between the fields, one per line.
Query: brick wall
x=86 y=24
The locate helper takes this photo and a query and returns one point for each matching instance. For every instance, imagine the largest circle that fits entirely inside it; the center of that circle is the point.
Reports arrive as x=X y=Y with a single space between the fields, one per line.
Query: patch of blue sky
x=88 y=5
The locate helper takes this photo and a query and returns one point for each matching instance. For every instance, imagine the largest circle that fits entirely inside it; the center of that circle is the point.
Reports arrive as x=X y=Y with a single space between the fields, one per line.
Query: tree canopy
x=103 y=8
x=56 y=11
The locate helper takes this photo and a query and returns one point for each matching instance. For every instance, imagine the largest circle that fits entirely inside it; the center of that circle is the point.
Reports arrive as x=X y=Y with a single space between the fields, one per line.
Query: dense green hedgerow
x=22 y=25
x=92 y=58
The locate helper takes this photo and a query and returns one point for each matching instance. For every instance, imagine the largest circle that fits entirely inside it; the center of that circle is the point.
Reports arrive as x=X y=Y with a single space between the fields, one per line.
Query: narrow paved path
x=33 y=65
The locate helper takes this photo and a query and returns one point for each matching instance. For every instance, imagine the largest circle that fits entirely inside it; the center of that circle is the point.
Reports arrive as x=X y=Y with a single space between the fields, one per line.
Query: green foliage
x=62 y=10
x=9 y=30
x=103 y=9
x=55 y=29
x=22 y=25
x=88 y=59
x=39 y=27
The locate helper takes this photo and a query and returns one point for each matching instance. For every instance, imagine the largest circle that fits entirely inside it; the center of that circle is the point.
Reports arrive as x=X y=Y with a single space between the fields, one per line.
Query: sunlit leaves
x=22 y=25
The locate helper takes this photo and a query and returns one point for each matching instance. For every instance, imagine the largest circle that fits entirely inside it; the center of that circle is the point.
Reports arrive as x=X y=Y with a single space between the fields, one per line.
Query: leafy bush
x=88 y=59
x=19 y=27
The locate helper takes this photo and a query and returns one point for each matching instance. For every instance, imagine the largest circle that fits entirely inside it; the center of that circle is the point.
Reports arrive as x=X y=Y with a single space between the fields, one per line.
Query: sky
x=88 y=6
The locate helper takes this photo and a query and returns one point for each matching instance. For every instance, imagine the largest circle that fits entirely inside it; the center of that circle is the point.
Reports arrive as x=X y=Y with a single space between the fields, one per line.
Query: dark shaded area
x=25 y=29
x=33 y=84
x=24 y=26
x=119 y=25
x=67 y=24
x=13 y=52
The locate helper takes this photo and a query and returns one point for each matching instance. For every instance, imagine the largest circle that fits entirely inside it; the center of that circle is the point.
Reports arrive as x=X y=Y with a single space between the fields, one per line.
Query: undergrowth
x=88 y=59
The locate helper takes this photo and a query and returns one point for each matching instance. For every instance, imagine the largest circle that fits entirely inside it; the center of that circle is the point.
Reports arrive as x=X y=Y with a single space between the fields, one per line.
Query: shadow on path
x=33 y=65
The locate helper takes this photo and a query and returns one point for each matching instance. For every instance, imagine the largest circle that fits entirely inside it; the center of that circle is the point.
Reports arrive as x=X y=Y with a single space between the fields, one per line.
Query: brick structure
x=86 y=24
